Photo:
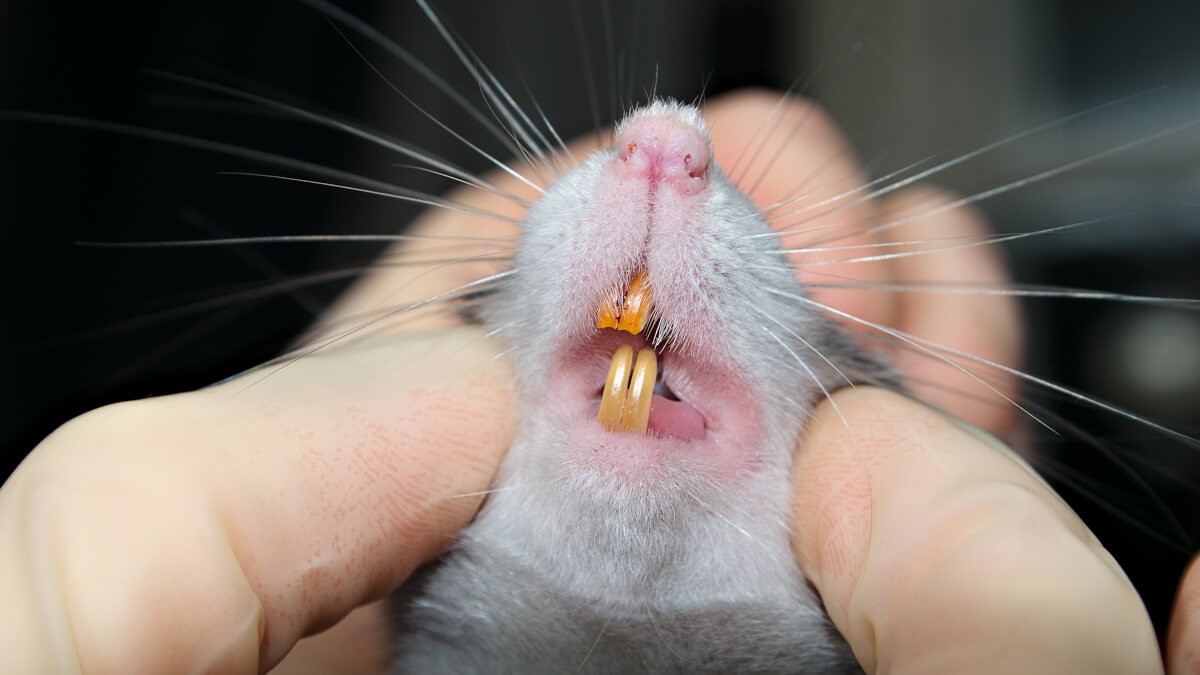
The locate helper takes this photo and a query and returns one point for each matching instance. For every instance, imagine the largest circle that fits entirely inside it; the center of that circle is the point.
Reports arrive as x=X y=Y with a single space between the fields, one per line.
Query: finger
x=935 y=552
x=1183 y=637
x=217 y=527
x=971 y=321
x=794 y=163
x=787 y=150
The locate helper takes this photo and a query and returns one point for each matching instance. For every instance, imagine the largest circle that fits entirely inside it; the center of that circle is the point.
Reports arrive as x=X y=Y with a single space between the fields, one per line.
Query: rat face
x=653 y=318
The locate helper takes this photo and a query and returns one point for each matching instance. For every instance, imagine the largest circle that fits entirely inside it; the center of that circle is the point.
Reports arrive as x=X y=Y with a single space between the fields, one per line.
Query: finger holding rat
x=952 y=257
x=836 y=230
x=810 y=186
x=219 y=526
x=1183 y=636
x=935 y=552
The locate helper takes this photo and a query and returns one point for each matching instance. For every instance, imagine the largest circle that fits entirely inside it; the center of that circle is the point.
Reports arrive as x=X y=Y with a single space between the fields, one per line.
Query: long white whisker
x=475 y=69
x=366 y=30
x=423 y=200
x=287 y=360
x=491 y=159
x=538 y=146
x=1015 y=290
x=727 y=521
x=218 y=147
x=929 y=347
x=771 y=122
x=287 y=239
x=816 y=380
x=559 y=147
x=331 y=122
x=934 y=170
x=796 y=356
x=990 y=240
x=835 y=198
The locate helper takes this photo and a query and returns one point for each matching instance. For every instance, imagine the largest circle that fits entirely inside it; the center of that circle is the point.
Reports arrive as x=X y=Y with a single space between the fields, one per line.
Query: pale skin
x=212 y=530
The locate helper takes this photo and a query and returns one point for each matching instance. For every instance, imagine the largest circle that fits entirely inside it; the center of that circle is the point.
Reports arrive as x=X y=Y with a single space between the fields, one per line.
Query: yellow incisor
x=628 y=391
x=632 y=312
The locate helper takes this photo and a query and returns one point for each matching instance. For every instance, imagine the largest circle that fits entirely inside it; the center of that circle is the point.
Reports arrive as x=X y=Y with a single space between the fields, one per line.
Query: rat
x=640 y=521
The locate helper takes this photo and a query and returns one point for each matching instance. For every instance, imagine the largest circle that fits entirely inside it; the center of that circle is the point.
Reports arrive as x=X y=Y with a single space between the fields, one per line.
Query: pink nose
x=667 y=149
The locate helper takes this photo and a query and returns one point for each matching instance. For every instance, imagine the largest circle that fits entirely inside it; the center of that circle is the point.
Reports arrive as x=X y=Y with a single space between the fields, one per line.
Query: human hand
x=934 y=548
x=863 y=522
x=208 y=531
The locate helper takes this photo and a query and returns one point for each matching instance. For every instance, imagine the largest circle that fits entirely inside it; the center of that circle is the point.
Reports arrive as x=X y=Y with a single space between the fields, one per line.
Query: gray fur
x=572 y=569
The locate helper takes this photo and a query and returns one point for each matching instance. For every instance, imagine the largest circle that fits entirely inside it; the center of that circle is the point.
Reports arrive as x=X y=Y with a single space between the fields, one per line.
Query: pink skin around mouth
x=656 y=179
x=713 y=422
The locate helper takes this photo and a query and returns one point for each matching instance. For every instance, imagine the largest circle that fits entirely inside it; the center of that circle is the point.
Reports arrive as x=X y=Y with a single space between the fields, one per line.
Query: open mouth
x=636 y=396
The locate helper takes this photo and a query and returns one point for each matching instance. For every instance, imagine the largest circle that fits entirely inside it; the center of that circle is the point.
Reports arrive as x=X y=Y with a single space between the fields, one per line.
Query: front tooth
x=628 y=391
x=638 y=302
x=612 y=402
x=641 y=392
x=629 y=312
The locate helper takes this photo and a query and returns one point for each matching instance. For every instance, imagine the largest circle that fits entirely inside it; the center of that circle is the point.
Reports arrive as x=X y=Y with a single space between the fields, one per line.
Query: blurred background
x=87 y=326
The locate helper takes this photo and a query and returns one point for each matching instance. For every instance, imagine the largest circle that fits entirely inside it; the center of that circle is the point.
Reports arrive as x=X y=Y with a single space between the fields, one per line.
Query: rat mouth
x=635 y=398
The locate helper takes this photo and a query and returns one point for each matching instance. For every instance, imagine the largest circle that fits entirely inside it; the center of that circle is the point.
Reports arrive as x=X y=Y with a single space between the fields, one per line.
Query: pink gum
x=666 y=149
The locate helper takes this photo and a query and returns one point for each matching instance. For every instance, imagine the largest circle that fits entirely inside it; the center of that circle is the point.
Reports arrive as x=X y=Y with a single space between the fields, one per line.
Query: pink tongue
x=675 y=418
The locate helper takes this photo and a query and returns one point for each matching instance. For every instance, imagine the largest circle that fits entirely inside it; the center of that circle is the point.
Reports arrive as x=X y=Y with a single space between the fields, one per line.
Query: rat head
x=653 y=318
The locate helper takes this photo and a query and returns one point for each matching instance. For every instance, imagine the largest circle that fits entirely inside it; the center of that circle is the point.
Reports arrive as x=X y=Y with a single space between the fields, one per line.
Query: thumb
x=216 y=528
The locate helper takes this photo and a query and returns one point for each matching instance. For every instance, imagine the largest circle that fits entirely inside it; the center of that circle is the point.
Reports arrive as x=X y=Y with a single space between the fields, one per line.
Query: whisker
x=808 y=81
x=988 y=240
x=329 y=121
x=538 y=146
x=478 y=150
x=1106 y=450
x=1016 y=290
x=477 y=71
x=816 y=380
x=423 y=200
x=929 y=346
x=1008 y=140
x=558 y=148
x=726 y=520
x=369 y=32
x=796 y=356
x=286 y=360
x=591 y=649
x=287 y=239
x=661 y=636
x=832 y=199
x=771 y=121
x=228 y=149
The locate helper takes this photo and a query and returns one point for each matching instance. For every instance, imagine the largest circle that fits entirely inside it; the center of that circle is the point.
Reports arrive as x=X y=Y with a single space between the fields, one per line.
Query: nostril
x=663 y=149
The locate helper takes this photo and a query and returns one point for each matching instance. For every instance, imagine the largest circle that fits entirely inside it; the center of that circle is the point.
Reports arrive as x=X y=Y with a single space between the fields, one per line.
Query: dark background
x=88 y=326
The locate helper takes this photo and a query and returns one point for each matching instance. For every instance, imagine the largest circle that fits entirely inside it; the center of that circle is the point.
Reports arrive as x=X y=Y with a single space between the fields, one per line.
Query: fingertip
x=1183 y=636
